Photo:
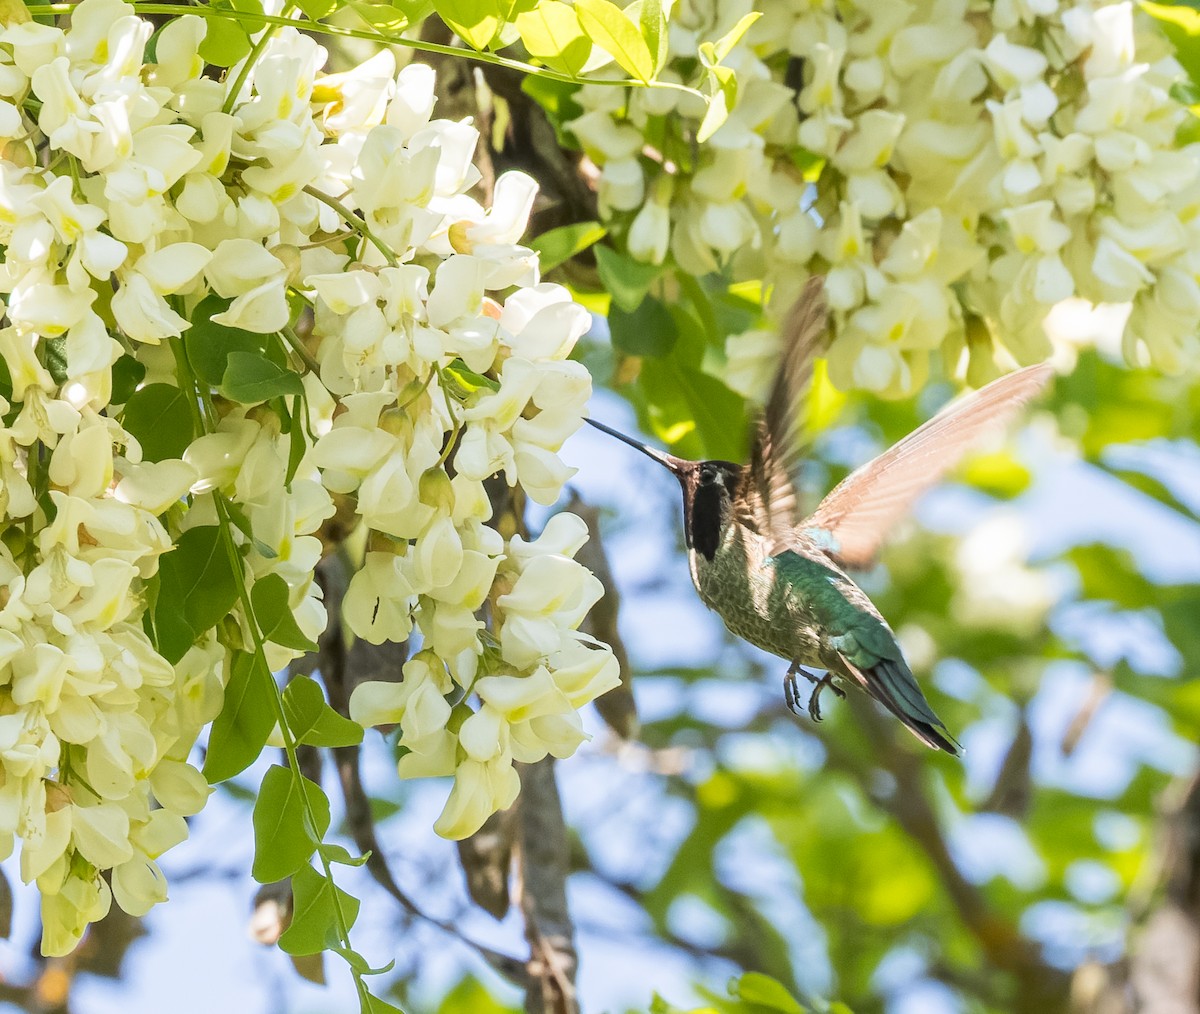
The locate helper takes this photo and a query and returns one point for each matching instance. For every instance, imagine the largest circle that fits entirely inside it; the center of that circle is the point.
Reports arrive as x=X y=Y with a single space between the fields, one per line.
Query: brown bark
x=544 y=864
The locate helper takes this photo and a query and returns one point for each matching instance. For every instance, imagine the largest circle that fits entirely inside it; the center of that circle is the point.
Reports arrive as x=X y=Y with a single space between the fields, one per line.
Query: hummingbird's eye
x=708 y=477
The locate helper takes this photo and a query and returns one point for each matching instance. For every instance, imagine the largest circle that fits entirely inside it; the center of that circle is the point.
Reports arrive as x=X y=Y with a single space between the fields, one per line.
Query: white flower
x=255 y=279
x=480 y=788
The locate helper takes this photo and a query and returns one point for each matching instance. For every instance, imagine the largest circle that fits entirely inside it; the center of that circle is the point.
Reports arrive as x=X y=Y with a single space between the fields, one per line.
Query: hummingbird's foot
x=791 y=692
x=814 y=702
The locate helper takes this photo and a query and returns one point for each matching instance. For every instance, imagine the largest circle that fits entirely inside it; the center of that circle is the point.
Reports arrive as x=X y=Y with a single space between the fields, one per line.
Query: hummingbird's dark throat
x=706 y=492
x=704 y=519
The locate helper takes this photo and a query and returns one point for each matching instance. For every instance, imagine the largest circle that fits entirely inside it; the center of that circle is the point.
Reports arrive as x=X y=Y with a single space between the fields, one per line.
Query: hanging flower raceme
x=173 y=436
x=966 y=171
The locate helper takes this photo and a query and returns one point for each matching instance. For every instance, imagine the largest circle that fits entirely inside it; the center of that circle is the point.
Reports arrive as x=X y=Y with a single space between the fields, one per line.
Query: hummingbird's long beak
x=664 y=459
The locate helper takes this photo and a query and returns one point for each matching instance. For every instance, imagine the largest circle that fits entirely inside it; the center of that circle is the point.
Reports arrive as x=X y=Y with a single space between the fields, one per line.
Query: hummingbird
x=779 y=581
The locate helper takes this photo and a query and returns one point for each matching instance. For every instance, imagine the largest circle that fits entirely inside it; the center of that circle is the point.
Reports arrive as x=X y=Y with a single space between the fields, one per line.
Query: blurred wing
x=857 y=516
x=767 y=498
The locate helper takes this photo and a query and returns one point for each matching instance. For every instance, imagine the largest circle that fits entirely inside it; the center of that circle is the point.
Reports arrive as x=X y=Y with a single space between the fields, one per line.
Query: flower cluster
x=134 y=193
x=954 y=170
x=435 y=376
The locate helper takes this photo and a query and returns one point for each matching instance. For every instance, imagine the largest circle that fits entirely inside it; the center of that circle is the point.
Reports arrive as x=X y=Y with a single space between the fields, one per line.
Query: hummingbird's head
x=708 y=491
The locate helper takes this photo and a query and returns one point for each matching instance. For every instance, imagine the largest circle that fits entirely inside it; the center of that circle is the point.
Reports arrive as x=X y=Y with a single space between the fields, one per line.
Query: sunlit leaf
x=606 y=25
x=561 y=244
x=552 y=33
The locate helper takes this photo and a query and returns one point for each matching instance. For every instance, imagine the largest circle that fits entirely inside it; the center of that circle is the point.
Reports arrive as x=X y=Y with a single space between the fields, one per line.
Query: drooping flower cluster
x=132 y=193
x=955 y=170
x=432 y=371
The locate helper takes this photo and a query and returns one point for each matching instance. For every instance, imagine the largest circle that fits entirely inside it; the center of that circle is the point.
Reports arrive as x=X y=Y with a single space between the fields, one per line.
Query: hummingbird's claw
x=814 y=702
x=791 y=693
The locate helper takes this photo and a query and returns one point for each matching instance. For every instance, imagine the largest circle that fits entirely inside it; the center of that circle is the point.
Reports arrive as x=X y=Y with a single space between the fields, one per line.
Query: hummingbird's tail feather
x=892 y=684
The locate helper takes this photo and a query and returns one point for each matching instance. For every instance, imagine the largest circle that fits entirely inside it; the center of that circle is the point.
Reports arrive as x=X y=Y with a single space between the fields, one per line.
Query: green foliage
x=240 y=731
x=283 y=839
x=209 y=344
x=227 y=39
x=648 y=331
x=196 y=590
x=1181 y=24
x=316 y=907
x=274 y=614
x=158 y=415
x=749 y=993
x=475 y=21
x=314 y=722
x=552 y=34
x=627 y=281
x=560 y=245
x=250 y=377
x=608 y=27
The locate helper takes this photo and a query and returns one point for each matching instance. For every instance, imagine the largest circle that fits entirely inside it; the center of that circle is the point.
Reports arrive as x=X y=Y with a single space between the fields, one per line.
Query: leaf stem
x=318 y=28
x=252 y=58
x=293 y=340
x=196 y=396
x=355 y=222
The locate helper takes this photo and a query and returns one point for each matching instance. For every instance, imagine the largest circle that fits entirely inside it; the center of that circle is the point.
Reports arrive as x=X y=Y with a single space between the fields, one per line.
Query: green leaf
x=360 y=964
x=273 y=612
x=378 y=1006
x=561 y=244
x=248 y=14
x=226 y=40
x=247 y=717
x=297 y=445
x=208 y=344
x=1181 y=24
x=127 y=373
x=724 y=45
x=241 y=521
x=697 y=415
x=474 y=21
x=510 y=10
x=626 y=280
x=336 y=853
x=462 y=382
x=552 y=34
x=385 y=17
x=283 y=838
x=606 y=25
x=652 y=20
x=317 y=9
x=557 y=98
x=56 y=358
x=648 y=331
x=756 y=988
x=159 y=417
x=196 y=590
x=312 y=720
x=723 y=95
x=415 y=11
x=314 y=918
x=251 y=378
